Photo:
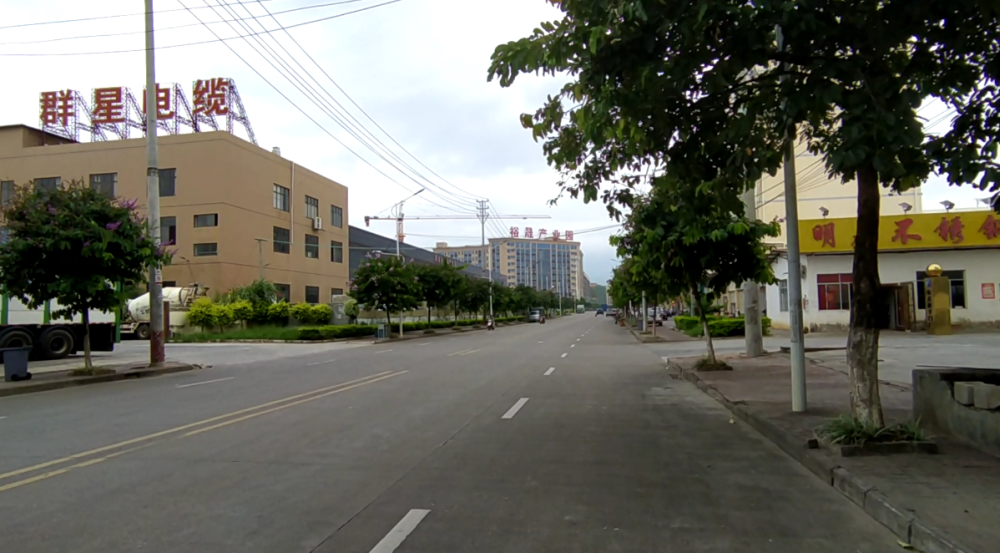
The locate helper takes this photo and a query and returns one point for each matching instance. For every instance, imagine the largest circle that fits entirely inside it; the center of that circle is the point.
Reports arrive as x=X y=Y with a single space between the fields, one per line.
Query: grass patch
x=254 y=333
x=95 y=371
x=847 y=430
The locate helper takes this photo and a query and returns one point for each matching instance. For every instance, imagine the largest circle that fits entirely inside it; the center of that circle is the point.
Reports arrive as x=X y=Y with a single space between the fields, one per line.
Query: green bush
x=277 y=313
x=222 y=316
x=320 y=314
x=200 y=314
x=242 y=310
x=721 y=327
x=330 y=332
x=301 y=312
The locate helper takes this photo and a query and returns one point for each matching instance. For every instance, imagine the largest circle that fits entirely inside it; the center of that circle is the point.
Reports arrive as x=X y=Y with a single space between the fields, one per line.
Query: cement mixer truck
x=136 y=320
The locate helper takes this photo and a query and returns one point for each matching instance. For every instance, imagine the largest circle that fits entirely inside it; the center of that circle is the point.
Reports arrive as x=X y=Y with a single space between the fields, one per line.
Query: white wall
x=18 y=313
x=980 y=266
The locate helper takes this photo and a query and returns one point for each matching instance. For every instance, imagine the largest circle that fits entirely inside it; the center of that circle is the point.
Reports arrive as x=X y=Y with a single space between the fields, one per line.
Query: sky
x=417 y=68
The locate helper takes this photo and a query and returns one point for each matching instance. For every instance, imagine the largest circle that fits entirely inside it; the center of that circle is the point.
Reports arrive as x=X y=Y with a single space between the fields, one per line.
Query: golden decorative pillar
x=938 y=302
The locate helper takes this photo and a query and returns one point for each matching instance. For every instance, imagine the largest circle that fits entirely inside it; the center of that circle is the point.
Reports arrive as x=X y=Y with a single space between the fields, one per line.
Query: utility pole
x=260 y=256
x=488 y=262
x=157 y=353
x=798 y=354
x=399 y=238
x=751 y=292
x=642 y=316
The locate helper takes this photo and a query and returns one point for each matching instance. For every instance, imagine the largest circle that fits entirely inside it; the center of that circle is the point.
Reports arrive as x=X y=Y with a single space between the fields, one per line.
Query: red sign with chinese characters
x=529 y=232
x=989 y=291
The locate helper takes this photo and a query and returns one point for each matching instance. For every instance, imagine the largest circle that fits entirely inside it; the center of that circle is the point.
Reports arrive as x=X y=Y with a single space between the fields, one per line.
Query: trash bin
x=15 y=363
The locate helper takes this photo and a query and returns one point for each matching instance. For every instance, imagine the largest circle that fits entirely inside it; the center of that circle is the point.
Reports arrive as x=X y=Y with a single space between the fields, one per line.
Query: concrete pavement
x=492 y=441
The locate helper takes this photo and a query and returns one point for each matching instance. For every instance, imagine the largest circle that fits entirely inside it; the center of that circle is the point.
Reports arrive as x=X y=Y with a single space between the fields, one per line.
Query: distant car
x=535 y=315
x=599 y=312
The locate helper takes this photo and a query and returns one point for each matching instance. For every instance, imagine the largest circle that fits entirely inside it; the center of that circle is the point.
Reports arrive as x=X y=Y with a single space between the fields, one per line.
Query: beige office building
x=233 y=210
x=544 y=264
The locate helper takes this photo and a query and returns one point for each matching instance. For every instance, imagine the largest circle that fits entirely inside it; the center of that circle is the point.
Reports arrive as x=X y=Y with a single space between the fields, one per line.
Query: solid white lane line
x=550 y=371
x=205 y=382
x=513 y=410
x=321 y=363
x=468 y=352
x=564 y=355
x=384 y=351
x=403 y=528
x=424 y=344
x=458 y=353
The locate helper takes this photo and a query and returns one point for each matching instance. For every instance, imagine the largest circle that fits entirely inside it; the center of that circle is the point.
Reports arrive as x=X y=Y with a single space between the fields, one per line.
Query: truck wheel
x=15 y=338
x=142 y=332
x=56 y=343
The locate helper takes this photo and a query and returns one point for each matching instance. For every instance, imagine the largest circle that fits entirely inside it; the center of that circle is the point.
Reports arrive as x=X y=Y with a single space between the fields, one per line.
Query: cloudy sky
x=417 y=67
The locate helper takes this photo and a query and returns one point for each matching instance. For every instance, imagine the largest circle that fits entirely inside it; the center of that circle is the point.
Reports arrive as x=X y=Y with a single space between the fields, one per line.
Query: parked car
x=535 y=315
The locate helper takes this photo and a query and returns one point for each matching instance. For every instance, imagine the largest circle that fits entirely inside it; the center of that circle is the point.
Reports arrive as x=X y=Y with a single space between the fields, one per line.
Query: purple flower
x=52 y=210
x=87 y=243
x=113 y=226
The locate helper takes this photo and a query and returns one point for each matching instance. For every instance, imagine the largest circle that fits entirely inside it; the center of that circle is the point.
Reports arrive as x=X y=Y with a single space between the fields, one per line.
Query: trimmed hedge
x=330 y=332
x=718 y=327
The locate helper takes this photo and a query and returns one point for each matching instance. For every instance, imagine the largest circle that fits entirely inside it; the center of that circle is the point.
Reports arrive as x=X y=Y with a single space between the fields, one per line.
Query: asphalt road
x=563 y=437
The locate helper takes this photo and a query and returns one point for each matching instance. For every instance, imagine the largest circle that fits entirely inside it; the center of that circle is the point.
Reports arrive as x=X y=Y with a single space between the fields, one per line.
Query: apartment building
x=543 y=264
x=233 y=211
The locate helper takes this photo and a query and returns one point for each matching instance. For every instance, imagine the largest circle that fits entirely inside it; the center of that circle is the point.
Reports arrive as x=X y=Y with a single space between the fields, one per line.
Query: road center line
x=468 y=352
x=550 y=371
x=205 y=382
x=424 y=344
x=564 y=355
x=513 y=410
x=384 y=351
x=167 y=432
x=463 y=352
x=400 y=531
x=572 y=345
x=577 y=339
x=321 y=363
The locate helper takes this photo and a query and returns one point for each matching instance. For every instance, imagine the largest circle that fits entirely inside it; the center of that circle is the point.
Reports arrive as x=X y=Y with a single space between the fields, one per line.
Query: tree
x=475 y=295
x=386 y=283
x=523 y=298
x=71 y=245
x=439 y=285
x=680 y=239
x=701 y=89
x=352 y=310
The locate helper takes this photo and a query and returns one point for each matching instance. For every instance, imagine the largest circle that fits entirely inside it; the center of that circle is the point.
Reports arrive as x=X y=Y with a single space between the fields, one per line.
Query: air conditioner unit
x=317 y=223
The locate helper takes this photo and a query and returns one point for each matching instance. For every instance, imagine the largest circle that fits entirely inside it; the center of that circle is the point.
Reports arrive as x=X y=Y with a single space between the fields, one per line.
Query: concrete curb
x=898 y=519
x=29 y=387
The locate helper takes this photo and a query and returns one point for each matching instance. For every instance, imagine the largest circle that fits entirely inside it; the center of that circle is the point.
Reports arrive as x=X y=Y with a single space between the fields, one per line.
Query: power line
x=99 y=17
x=217 y=37
x=62 y=38
x=316 y=96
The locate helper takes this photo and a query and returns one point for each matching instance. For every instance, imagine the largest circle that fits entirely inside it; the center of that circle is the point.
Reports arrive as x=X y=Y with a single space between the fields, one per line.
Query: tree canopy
x=73 y=245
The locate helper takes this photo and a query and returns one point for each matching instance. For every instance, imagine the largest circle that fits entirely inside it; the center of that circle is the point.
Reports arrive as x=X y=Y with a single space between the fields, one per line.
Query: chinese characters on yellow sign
x=963 y=229
x=114 y=110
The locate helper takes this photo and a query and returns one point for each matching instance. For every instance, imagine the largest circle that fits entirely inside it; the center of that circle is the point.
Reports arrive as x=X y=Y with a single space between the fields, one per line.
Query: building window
x=48 y=183
x=312 y=294
x=281 y=198
x=336 y=251
x=312 y=247
x=207 y=220
x=284 y=292
x=169 y=283
x=282 y=240
x=783 y=296
x=168 y=230
x=168 y=182
x=104 y=183
x=835 y=292
x=312 y=207
x=7 y=192
x=957 y=279
x=205 y=250
x=336 y=216
x=334 y=292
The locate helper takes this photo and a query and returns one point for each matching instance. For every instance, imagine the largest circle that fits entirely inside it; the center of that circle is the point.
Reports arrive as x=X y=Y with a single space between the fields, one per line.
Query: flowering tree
x=386 y=283
x=71 y=245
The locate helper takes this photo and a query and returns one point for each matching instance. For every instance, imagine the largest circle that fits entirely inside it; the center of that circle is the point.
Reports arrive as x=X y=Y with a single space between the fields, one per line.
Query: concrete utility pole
x=488 y=262
x=399 y=238
x=642 y=317
x=751 y=292
x=157 y=353
x=260 y=256
x=798 y=354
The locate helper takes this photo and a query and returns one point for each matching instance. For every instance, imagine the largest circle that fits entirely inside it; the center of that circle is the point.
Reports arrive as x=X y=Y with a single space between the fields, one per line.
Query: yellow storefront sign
x=960 y=229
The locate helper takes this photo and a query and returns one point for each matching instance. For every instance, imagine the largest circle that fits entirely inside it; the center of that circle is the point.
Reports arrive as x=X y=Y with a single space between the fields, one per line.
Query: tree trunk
x=753 y=332
x=862 y=338
x=388 y=318
x=87 y=363
x=704 y=326
x=654 y=321
x=428 y=315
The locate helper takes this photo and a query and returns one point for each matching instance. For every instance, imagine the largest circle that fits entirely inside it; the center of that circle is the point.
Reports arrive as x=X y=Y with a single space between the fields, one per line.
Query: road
x=563 y=437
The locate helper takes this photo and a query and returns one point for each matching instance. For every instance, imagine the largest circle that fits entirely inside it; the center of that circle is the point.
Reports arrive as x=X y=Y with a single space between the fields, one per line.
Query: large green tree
x=71 y=245
x=439 y=285
x=386 y=283
x=701 y=89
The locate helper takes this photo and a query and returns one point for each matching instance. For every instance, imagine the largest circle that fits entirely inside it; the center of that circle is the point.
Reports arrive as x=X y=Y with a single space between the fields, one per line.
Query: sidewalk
x=58 y=379
x=934 y=502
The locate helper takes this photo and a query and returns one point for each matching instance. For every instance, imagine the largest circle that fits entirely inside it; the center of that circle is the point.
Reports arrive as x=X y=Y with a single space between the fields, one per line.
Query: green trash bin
x=15 y=363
